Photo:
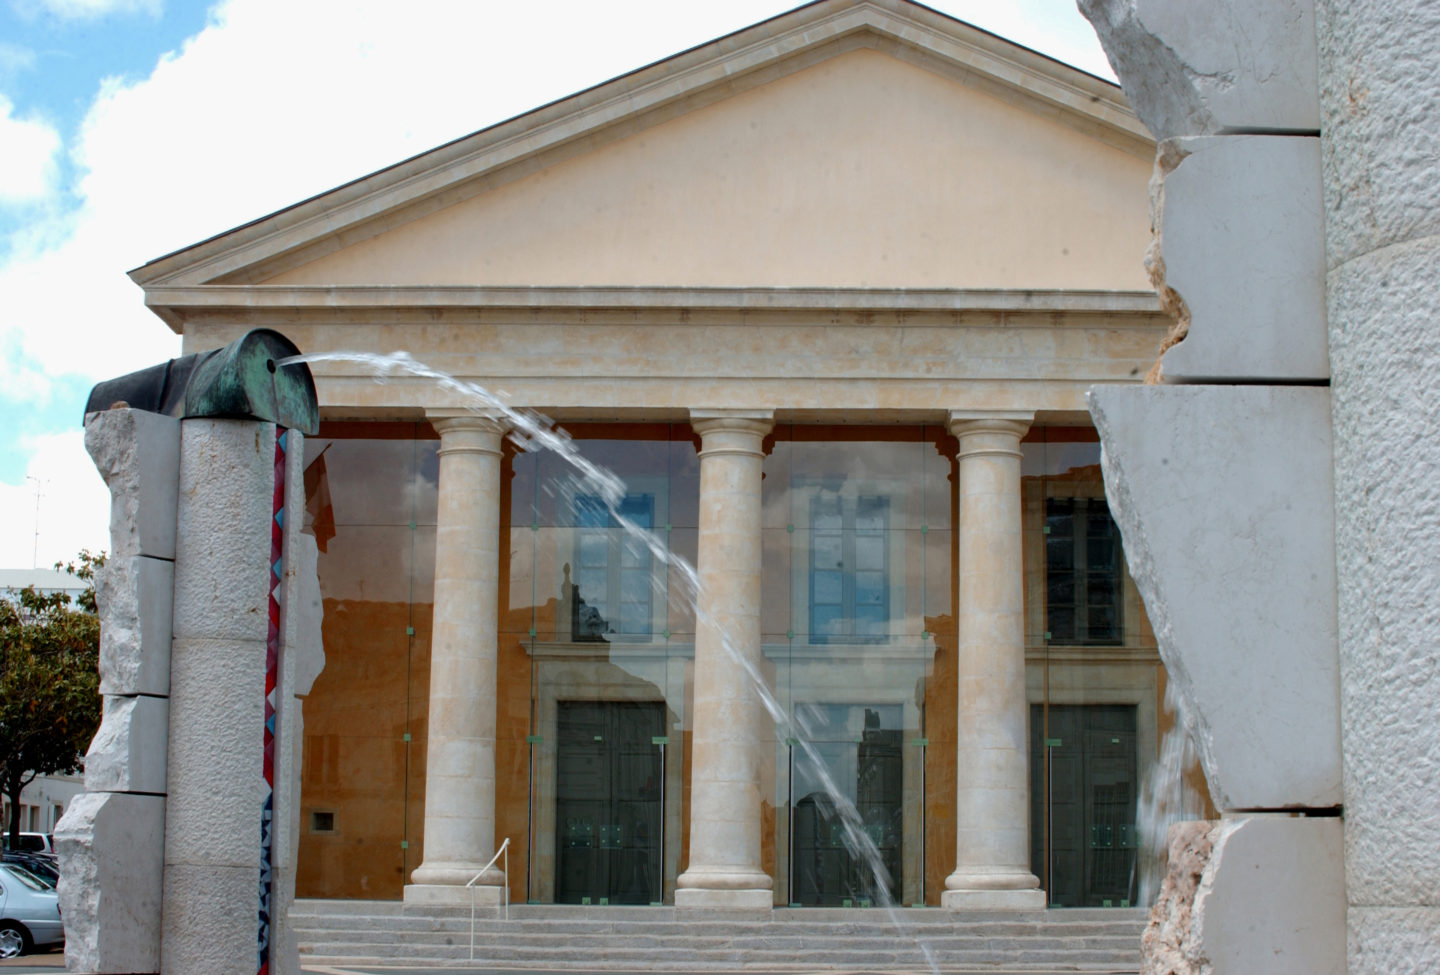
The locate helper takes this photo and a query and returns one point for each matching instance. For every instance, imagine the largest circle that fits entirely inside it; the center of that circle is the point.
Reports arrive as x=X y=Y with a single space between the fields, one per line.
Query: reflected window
x=1083 y=582
x=849 y=569
x=613 y=590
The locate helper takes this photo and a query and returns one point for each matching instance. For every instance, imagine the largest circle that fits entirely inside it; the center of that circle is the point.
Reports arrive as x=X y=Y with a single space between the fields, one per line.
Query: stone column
x=460 y=751
x=725 y=769
x=992 y=795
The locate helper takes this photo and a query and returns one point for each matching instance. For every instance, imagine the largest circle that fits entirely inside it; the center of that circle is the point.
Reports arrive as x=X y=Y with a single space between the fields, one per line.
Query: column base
x=453 y=895
x=753 y=899
x=993 y=900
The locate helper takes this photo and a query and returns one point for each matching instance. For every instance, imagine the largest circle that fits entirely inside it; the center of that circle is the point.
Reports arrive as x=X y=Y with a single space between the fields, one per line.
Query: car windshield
x=27 y=878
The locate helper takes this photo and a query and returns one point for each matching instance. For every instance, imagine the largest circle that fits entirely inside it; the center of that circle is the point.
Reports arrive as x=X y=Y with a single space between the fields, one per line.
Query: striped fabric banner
x=272 y=662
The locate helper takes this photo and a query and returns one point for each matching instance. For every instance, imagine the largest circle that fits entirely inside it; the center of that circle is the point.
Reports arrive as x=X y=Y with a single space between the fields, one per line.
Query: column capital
x=989 y=431
x=467 y=432
x=732 y=431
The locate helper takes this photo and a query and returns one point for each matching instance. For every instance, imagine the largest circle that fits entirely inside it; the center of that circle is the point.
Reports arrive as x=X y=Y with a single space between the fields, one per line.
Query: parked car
x=30 y=843
x=42 y=865
x=29 y=912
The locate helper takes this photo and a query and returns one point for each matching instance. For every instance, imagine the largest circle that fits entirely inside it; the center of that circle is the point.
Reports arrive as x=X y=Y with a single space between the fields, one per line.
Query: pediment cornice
x=772 y=49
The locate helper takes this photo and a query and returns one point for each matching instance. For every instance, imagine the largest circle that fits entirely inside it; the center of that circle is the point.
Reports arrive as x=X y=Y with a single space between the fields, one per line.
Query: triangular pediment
x=845 y=144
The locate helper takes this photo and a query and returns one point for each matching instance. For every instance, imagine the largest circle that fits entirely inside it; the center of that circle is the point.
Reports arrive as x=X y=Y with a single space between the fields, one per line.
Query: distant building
x=46 y=581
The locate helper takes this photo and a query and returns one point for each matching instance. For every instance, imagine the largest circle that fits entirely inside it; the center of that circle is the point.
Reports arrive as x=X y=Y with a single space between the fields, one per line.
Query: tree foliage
x=49 y=683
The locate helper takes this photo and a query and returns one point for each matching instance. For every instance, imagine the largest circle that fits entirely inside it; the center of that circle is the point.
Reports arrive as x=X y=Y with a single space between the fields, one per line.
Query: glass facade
x=1095 y=682
x=370 y=499
x=596 y=646
x=857 y=600
x=596 y=650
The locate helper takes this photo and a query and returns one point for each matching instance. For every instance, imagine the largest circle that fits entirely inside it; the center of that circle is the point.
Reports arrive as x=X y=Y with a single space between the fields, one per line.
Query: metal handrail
x=504 y=847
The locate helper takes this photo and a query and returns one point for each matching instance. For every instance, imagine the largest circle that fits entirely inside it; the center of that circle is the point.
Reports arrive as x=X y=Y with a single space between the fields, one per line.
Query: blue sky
x=131 y=128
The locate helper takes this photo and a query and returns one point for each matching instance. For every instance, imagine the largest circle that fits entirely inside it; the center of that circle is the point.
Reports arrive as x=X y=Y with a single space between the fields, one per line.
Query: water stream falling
x=1165 y=797
x=532 y=431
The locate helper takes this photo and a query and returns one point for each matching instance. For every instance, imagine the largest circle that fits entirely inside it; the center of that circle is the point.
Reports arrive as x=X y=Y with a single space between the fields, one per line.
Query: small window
x=322 y=821
x=849 y=569
x=1083 y=573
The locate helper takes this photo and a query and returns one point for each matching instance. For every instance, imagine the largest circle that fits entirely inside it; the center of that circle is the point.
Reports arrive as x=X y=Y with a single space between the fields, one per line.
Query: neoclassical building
x=825 y=295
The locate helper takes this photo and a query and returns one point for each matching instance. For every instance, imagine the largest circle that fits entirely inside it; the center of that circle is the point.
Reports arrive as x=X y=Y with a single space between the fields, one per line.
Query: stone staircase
x=660 y=939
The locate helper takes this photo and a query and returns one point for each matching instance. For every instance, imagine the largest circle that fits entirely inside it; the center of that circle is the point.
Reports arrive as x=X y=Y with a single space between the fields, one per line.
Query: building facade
x=811 y=309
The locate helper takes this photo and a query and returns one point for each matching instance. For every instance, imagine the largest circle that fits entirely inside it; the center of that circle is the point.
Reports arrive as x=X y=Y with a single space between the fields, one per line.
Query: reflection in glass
x=1095 y=681
x=856 y=583
x=596 y=652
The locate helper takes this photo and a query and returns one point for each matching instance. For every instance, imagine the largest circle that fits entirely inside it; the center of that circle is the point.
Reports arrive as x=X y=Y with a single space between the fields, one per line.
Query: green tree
x=49 y=684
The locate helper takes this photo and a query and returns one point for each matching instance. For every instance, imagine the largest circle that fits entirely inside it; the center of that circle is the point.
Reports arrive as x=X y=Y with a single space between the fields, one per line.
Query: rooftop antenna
x=35 y=551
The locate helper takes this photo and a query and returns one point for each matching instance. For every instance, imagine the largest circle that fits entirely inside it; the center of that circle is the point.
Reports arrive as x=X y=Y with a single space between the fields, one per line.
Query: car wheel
x=14 y=940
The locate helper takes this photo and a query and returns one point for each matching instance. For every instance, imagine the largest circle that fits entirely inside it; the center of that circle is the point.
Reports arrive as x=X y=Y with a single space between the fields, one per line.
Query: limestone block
x=215 y=778
x=1241 y=231
x=1203 y=67
x=1224 y=500
x=1380 y=97
x=128 y=752
x=703 y=898
x=209 y=924
x=110 y=848
x=1274 y=889
x=302 y=611
x=222 y=553
x=1384 y=308
x=454 y=895
x=138 y=455
x=134 y=595
x=1394 y=940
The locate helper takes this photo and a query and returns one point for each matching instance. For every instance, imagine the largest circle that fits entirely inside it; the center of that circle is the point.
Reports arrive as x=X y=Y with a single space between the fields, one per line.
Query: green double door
x=609 y=802
x=1084 y=792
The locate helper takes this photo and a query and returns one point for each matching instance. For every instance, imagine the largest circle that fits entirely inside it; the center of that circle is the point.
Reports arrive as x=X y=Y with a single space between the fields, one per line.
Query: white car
x=30 y=842
x=29 y=912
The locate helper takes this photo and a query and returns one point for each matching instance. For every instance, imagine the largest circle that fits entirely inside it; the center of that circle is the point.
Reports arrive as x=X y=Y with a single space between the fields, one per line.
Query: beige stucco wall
x=861 y=171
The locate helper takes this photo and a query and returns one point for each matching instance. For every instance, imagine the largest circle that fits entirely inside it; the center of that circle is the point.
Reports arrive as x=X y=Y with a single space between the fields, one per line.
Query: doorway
x=860 y=748
x=610 y=789
x=1084 y=793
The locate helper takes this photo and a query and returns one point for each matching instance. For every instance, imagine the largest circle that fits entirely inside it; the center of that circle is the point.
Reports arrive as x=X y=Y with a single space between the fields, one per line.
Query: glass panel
x=599 y=685
x=856 y=580
x=1095 y=683
x=370 y=493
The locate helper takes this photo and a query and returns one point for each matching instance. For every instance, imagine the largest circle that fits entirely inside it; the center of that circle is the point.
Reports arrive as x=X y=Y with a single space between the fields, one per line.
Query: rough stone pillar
x=460 y=752
x=217 y=697
x=1380 y=104
x=725 y=771
x=992 y=794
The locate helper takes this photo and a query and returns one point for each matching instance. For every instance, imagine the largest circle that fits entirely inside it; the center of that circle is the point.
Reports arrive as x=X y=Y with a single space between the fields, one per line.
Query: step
x=660 y=939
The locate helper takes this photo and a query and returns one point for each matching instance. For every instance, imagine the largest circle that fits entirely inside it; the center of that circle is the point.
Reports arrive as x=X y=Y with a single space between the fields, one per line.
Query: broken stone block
x=1205 y=67
x=111 y=858
x=128 y=752
x=222 y=556
x=138 y=455
x=134 y=597
x=1169 y=945
x=1241 y=229
x=1274 y=889
x=1224 y=499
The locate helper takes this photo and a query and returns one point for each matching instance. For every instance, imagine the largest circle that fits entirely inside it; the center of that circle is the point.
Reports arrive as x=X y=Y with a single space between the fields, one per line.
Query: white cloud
x=275 y=101
x=27 y=160
x=74 y=505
